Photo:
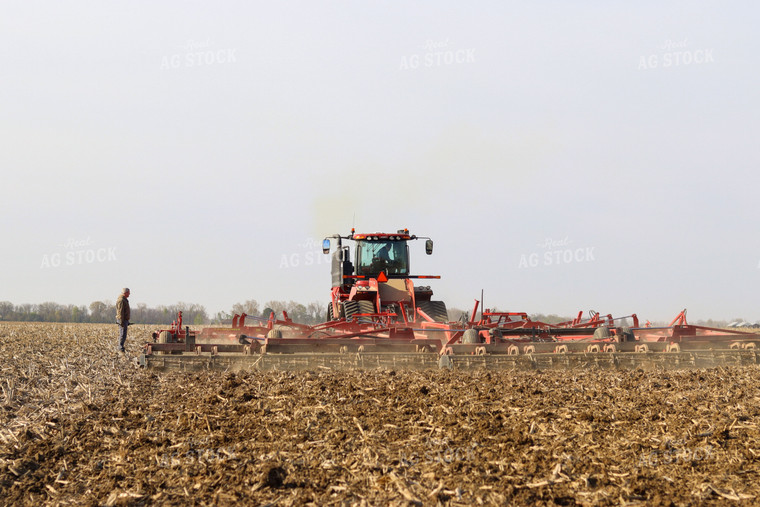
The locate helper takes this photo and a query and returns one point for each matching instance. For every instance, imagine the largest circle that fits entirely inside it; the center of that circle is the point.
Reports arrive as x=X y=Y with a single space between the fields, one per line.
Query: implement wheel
x=444 y=362
x=601 y=333
x=471 y=336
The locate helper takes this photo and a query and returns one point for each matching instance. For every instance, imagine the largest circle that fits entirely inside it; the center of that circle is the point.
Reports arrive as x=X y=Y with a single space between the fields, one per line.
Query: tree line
x=100 y=312
x=195 y=314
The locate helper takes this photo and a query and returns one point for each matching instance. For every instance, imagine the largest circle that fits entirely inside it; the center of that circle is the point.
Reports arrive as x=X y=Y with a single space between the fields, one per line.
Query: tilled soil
x=80 y=423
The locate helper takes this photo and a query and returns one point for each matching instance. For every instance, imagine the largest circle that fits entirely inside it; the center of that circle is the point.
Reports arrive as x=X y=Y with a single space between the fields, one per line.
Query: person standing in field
x=122 y=317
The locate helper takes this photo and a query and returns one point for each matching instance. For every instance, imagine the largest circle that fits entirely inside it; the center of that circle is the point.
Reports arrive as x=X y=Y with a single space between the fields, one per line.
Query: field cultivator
x=497 y=340
x=377 y=317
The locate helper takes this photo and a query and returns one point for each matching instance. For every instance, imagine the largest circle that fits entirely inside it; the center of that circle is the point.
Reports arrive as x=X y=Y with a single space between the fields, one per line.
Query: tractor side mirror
x=429 y=246
x=326 y=246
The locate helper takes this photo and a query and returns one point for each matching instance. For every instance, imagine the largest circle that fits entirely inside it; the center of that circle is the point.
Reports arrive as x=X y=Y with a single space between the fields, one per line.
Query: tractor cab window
x=390 y=257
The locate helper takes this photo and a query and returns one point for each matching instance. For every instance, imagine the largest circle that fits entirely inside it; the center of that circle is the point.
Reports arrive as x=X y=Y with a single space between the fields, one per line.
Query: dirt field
x=81 y=424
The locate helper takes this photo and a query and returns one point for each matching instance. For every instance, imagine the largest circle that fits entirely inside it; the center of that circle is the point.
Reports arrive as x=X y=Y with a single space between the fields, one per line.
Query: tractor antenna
x=482 y=308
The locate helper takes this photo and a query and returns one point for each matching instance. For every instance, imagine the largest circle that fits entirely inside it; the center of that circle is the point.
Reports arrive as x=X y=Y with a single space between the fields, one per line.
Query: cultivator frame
x=497 y=340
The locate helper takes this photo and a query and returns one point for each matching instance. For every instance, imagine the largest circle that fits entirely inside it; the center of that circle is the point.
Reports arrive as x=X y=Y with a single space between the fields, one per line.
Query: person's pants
x=122 y=334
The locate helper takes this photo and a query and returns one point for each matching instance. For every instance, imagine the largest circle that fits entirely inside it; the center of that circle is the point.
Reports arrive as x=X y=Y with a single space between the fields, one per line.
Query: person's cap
x=125 y=290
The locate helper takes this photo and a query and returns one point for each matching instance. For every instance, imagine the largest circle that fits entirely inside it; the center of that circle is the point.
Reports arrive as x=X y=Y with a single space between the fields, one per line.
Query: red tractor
x=378 y=283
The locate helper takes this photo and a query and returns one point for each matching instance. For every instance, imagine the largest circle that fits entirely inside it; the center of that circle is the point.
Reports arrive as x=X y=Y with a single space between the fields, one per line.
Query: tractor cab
x=386 y=253
x=382 y=255
x=379 y=277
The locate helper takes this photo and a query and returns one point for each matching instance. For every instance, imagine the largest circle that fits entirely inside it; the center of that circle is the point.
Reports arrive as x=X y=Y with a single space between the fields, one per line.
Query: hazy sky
x=564 y=156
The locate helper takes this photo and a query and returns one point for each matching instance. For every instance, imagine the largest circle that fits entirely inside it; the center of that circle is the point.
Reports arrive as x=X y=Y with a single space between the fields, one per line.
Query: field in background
x=80 y=423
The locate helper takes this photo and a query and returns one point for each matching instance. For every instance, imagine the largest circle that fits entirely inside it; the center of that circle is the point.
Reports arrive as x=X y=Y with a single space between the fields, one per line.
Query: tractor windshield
x=390 y=257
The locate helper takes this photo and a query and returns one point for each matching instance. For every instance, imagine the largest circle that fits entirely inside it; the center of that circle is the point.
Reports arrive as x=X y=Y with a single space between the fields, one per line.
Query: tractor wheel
x=440 y=314
x=366 y=306
x=601 y=333
x=274 y=333
x=435 y=309
x=330 y=312
x=471 y=336
x=349 y=308
x=331 y=316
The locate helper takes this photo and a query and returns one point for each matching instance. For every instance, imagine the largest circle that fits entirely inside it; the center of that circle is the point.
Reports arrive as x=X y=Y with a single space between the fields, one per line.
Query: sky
x=563 y=156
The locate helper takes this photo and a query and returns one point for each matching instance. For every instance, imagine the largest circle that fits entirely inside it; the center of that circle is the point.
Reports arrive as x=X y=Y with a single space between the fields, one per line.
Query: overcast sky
x=564 y=156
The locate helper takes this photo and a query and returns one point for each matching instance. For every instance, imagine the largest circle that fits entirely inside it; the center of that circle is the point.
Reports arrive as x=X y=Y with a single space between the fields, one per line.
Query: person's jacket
x=122 y=309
